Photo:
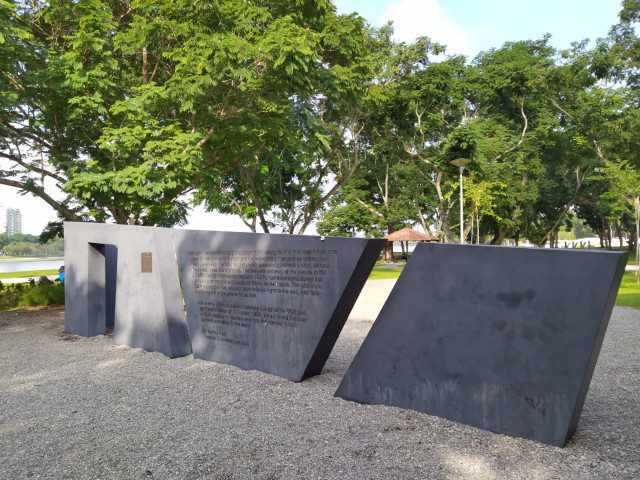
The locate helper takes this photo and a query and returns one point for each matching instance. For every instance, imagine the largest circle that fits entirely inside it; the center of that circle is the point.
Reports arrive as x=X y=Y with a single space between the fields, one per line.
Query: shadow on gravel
x=67 y=337
x=117 y=412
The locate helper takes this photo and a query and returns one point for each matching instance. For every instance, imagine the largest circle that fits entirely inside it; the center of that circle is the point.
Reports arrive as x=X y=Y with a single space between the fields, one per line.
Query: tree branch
x=522 y=135
x=370 y=208
x=38 y=191
x=579 y=179
x=32 y=168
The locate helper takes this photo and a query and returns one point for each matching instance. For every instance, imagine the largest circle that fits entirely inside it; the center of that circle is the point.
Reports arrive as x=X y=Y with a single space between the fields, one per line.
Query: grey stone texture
x=106 y=288
x=274 y=303
x=505 y=339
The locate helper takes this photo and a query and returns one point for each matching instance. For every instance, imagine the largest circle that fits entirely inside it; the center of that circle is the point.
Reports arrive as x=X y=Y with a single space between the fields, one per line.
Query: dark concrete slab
x=274 y=303
x=107 y=286
x=504 y=339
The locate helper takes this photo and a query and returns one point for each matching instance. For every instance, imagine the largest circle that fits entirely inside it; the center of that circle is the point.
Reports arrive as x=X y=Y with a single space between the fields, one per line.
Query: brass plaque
x=146 y=264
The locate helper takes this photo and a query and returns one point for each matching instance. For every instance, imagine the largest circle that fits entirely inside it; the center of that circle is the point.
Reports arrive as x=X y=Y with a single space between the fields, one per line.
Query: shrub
x=42 y=295
x=25 y=295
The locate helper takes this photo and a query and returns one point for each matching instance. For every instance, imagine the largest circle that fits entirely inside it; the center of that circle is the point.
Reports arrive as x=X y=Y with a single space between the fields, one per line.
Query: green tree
x=314 y=142
x=132 y=106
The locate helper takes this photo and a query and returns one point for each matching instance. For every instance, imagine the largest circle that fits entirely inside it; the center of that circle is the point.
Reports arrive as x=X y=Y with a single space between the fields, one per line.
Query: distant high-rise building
x=10 y=220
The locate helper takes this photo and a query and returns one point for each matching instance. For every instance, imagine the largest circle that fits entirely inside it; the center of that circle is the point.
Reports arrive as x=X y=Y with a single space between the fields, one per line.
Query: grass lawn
x=379 y=273
x=628 y=295
x=398 y=261
x=28 y=274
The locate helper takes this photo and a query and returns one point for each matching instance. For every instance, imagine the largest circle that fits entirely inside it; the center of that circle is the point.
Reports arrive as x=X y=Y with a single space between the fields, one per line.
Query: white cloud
x=417 y=18
x=199 y=219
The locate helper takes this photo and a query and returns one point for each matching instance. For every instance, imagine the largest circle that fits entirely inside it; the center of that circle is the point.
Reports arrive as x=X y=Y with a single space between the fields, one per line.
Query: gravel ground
x=84 y=408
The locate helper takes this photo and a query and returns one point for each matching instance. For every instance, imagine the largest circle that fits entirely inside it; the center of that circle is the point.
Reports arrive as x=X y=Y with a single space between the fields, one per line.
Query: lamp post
x=461 y=163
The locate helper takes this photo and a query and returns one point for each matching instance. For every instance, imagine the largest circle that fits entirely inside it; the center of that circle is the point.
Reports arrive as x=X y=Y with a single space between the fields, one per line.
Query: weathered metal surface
x=109 y=284
x=274 y=303
x=504 y=339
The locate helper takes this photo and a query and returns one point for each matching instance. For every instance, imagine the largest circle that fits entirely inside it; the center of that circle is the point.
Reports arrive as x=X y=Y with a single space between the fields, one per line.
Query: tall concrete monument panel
x=274 y=303
x=124 y=278
x=504 y=339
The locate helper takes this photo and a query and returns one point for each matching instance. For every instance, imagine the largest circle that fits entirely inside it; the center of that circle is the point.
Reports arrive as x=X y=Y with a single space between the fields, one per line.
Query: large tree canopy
x=549 y=134
x=130 y=105
x=285 y=112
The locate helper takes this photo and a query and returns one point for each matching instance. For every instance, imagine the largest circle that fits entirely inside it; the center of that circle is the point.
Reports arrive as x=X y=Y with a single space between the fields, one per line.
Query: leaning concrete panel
x=125 y=276
x=504 y=339
x=274 y=303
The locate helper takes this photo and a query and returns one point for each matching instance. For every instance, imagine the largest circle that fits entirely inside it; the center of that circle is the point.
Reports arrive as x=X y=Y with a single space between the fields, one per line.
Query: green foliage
x=43 y=295
x=629 y=293
x=546 y=131
x=23 y=245
x=286 y=112
x=135 y=106
x=302 y=142
x=26 y=295
x=580 y=228
x=575 y=229
x=383 y=273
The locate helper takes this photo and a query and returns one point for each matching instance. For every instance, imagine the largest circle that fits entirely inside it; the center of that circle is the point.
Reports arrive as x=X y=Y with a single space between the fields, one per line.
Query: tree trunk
x=605 y=231
x=632 y=241
x=119 y=215
x=263 y=221
x=468 y=226
x=498 y=238
x=443 y=226
x=619 y=232
x=388 y=252
x=636 y=204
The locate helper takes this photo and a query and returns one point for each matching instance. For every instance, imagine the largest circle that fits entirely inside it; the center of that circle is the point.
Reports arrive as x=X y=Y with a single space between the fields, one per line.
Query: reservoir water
x=21 y=266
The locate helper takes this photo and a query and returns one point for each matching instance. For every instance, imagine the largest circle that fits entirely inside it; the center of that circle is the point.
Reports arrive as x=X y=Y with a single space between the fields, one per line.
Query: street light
x=461 y=163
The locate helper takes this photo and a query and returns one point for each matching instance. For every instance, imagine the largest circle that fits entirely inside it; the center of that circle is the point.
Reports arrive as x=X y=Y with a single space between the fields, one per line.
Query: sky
x=471 y=26
x=466 y=26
